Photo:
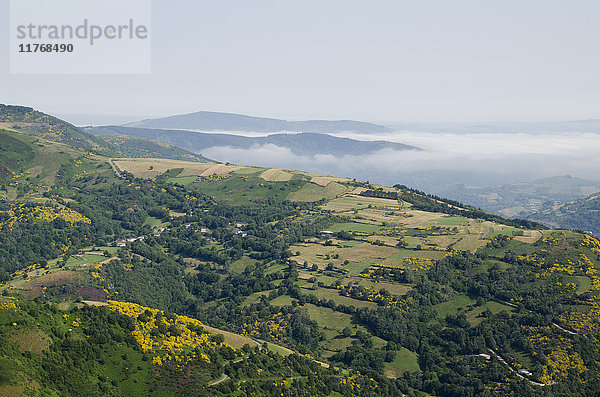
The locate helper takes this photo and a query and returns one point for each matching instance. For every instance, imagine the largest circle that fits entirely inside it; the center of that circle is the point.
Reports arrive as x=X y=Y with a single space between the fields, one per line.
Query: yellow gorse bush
x=177 y=347
x=213 y=178
x=19 y=212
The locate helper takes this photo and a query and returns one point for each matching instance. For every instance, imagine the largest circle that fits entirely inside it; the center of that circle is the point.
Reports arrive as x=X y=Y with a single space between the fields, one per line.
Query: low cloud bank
x=480 y=159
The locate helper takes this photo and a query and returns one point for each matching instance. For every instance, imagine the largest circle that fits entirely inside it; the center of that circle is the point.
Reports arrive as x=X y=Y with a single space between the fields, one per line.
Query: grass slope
x=130 y=146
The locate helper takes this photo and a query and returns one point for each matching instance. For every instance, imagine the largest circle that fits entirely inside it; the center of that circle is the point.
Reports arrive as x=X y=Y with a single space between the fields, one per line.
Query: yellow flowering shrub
x=18 y=212
x=182 y=336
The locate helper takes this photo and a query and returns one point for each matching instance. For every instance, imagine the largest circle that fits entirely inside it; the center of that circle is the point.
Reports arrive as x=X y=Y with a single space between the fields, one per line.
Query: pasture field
x=243 y=190
x=311 y=192
x=154 y=222
x=452 y=220
x=332 y=323
x=351 y=202
x=432 y=241
x=405 y=360
x=355 y=227
x=282 y=351
x=249 y=170
x=282 y=300
x=355 y=268
x=323 y=180
x=329 y=319
x=326 y=293
x=314 y=253
x=454 y=305
x=112 y=250
x=386 y=240
x=321 y=255
x=474 y=316
x=470 y=243
x=276 y=175
x=254 y=298
x=150 y=168
x=335 y=345
x=234 y=340
x=323 y=278
x=530 y=236
x=400 y=254
x=583 y=283
x=183 y=180
x=214 y=169
x=462 y=304
x=393 y=288
x=79 y=260
x=241 y=264
x=364 y=251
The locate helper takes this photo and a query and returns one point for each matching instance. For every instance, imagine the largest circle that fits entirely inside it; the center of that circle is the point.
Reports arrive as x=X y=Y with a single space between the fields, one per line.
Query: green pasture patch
x=241 y=264
x=254 y=298
x=583 y=282
x=355 y=227
x=311 y=192
x=451 y=220
x=475 y=317
x=153 y=222
x=455 y=305
x=327 y=293
x=282 y=300
x=327 y=318
x=183 y=180
x=405 y=360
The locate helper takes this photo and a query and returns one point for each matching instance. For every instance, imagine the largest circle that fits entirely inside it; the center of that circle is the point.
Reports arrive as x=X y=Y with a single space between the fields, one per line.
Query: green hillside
x=582 y=214
x=110 y=282
x=130 y=146
x=14 y=153
x=33 y=122
x=121 y=349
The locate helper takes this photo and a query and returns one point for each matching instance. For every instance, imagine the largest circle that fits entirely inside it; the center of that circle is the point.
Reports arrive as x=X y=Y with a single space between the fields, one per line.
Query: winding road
x=216 y=382
x=515 y=372
x=114 y=167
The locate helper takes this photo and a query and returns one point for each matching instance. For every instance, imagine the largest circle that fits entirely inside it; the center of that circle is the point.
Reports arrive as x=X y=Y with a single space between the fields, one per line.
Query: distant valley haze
x=429 y=156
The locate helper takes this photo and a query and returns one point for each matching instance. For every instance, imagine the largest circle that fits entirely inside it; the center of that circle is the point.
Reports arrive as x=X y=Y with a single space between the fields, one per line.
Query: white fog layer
x=503 y=158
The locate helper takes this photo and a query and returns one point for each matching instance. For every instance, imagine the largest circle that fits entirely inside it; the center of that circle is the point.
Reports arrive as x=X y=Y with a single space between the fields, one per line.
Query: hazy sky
x=371 y=60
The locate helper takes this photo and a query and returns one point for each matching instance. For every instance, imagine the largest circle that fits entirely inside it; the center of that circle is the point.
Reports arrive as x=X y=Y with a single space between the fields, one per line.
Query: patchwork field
x=276 y=175
x=325 y=180
x=150 y=168
x=312 y=192
x=367 y=252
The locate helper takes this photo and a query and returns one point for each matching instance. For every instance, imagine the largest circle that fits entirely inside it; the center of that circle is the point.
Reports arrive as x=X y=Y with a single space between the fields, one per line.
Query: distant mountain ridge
x=522 y=199
x=300 y=143
x=217 y=121
x=582 y=213
x=32 y=122
x=547 y=127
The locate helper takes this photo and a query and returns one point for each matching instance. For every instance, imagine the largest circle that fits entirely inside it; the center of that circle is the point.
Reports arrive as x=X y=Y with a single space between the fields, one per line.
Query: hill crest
x=218 y=121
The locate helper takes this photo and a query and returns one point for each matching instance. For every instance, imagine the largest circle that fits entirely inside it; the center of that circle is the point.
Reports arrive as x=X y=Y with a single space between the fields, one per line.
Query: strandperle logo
x=80 y=37
x=84 y=31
